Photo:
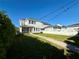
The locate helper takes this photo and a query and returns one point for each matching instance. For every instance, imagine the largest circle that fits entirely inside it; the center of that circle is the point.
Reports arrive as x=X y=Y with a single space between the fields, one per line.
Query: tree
x=7 y=33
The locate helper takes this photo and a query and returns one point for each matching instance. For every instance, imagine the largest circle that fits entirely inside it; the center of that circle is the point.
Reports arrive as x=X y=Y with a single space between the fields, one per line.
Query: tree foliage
x=7 y=33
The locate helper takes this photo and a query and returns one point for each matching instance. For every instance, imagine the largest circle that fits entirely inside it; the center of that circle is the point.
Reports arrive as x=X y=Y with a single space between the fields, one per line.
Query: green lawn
x=28 y=47
x=50 y=43
x=45 y=41
x=54 y=36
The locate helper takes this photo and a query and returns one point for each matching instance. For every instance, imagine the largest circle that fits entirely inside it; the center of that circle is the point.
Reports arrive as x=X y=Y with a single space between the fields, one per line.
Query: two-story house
x=32 y=25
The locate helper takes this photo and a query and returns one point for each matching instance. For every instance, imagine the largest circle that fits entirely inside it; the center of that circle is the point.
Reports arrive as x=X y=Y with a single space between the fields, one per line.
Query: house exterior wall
x=70 y=31
x=23 y=22
x=26 y=23
x=36 y=30
x=36 y=27
x=49 y=29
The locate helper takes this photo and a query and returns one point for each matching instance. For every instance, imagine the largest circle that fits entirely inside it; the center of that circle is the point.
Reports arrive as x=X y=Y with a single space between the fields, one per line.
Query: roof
x=34 y=19
x=74 y=25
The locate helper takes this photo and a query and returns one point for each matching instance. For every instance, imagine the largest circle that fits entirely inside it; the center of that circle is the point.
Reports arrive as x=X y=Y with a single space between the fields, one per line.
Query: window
x=34 y=29
x=29 y=21
x=32 y=22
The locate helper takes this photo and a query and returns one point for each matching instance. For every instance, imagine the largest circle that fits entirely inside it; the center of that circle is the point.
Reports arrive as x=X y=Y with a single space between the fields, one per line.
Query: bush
x=7 y=33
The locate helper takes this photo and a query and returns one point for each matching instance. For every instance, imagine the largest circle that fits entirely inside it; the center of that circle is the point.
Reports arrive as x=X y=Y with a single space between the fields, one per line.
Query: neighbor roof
x=74 y=25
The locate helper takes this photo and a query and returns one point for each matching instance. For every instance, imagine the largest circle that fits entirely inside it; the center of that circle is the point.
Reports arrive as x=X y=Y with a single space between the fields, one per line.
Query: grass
x=46 y=41
x=65 y=51
x=27 y=47
x=57 y=37
x=50 y=43
x=54 y=36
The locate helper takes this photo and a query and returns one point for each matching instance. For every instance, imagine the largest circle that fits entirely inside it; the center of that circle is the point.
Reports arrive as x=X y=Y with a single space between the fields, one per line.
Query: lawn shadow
x=74 y=40
x=26 y=47
x=73 y=46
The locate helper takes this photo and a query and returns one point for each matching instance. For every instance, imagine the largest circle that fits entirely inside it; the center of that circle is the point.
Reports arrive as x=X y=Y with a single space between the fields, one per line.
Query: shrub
x=7 y=33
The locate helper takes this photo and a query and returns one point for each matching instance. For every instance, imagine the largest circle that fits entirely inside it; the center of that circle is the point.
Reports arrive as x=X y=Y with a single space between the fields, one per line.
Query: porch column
x=20 y=29
x=33 y=29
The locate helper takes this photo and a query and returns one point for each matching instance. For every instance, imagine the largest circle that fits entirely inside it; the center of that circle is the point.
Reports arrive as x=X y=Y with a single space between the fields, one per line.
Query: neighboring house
x=62 y=30
x=74 y=27
x=48 y=28
x=32 y=25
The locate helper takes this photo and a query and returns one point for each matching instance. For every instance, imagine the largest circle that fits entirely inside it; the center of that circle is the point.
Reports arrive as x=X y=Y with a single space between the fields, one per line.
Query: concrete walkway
x=59 y=43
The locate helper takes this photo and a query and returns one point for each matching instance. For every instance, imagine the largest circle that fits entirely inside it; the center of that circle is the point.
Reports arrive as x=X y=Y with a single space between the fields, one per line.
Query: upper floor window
x=32 y=22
